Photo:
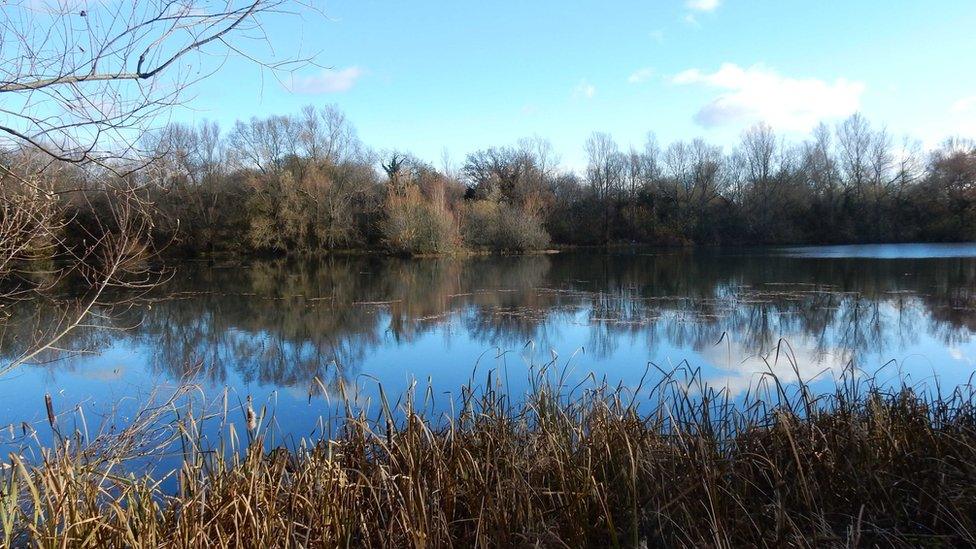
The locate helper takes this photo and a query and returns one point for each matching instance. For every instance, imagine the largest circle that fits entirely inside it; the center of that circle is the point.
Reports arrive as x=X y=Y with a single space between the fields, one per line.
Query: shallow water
x=284 y=332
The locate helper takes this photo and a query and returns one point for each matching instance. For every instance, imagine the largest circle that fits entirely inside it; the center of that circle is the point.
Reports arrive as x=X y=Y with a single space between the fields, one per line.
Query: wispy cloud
x=328 y=81
x=703 y=5
x=757 y=93
x=657 y=36
x=696 y=7
x=962 y=120
x=640 y=75
x=965 y=104
x=956 y=353
x=584 y=90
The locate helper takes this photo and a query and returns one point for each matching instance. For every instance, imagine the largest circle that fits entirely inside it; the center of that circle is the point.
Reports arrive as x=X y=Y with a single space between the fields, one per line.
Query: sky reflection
x=285 y=332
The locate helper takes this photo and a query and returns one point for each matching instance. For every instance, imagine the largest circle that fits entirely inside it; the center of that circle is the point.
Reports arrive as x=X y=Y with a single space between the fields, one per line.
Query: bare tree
x=706 y=165
x=540 y=161
x=81 y=83
x=952 y=179
x=80 y=80
x=854 y=148
x=263 y=144
x=605 y=169
x=759 y=148
x=821 y=166
x=604 y=165
x=544 y=158
x=677 y=170
x=909 y=166
x=498 y=169
x=634 y=173
x=651 y=158
x=189 y=170
x=326 y=134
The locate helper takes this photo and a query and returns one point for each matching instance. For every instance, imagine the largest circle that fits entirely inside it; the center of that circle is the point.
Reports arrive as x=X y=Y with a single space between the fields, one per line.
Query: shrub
x=498 y=226
x=415 y=225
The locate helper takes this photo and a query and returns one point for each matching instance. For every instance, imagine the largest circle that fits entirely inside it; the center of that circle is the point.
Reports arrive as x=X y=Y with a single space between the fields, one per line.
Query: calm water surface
x=281 y=331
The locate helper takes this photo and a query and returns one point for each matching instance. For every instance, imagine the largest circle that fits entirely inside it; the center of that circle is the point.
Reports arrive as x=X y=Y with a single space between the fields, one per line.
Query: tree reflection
x=288 y=322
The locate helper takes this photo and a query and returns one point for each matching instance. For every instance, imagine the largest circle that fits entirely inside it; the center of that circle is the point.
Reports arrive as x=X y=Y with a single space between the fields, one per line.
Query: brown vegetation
x=663 y=464
x=80 y=86
x=305 y=184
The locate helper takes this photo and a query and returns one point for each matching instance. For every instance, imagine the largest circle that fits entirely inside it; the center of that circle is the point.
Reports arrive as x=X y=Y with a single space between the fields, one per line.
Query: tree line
x=305 y=183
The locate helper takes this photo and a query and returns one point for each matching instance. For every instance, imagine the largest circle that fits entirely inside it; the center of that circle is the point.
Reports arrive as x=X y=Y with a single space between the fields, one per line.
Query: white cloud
x=813 y=363
x=961 y=121
x=328 y=81
x=956 y=353
x=703 y=5
x=757 y=93
x=965 y=104
x=657 y=36
x=640 y=75
x=584 y=90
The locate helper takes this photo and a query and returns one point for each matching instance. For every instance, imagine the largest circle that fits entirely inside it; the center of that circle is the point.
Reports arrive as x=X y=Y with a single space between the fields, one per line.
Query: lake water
x=283 y=332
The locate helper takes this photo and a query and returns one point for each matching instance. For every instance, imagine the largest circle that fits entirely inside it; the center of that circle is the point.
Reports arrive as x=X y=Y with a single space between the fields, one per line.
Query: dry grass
x=677 y=465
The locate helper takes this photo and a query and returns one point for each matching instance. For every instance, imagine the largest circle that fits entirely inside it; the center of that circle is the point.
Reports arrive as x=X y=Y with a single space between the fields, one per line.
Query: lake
x=283 y=332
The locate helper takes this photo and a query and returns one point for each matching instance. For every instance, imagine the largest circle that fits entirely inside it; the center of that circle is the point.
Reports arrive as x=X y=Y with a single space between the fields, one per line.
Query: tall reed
x=671 y=462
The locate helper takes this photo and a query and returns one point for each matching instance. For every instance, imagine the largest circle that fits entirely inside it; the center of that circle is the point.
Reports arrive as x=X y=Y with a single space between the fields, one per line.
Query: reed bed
x=668 y=463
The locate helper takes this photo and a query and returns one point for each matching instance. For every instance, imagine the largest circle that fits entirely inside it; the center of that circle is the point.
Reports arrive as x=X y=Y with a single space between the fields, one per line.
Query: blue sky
x=422 y=76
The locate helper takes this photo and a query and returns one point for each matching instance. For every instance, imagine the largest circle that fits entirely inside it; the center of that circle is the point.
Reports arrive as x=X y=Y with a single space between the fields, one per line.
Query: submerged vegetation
x=669 y=462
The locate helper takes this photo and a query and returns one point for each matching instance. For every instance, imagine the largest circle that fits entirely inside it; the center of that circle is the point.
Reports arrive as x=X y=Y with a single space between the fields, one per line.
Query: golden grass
x=677 y=465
